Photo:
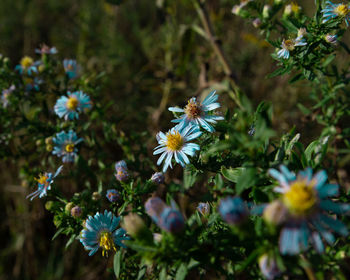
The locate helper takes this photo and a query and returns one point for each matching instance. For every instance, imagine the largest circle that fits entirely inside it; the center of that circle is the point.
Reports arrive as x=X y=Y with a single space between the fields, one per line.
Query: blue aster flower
x=306 y=202
x=289 y=45
x=101 y=231
x=5 y=95
x=233 y=210
x=112 y=195
x=27 y=66
x=44 y=183
x=70 y=107
x=332 y=11
x=196 y=113
x=121 y=171
x=176 y=144
x=65 y=145
x=71 y=68
x=44 y=49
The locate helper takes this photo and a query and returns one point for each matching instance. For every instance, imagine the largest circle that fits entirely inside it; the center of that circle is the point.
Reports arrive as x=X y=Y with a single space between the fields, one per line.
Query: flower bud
x=158 y=178
x=287 y=10
x=275 y=213
x=171 y=220
x=96 y=196
x=121 y=171
x=112 y=195
x=257 y=22
x=268 y=267
x=49 y=205
x=266 y=11
x=76 y=212
x=236 y=9
x=331 y=39
x=233 y=210
x=157 y=237
x=49 y=148
x=203 y=208
x=39 y=142
x=154 y=207
x=69 y=207
x=48 y=140
x=135 y=226
x=302 y=32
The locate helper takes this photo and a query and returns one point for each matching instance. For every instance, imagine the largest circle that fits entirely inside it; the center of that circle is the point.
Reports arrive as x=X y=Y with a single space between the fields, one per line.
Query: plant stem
x=307 y=268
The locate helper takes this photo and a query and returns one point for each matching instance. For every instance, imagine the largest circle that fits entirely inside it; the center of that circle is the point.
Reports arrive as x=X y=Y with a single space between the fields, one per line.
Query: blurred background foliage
x=145 y=56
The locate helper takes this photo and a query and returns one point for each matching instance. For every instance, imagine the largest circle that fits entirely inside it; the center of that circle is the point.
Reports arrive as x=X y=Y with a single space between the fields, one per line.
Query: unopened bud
x=154 y=207
x=257 y=22
x=203 y=208
x=49 y=205
x=69 y=207
x=158 y=178
x=233 y=210
x=268 y=266
x=112 y=195
x=171 y=220
x=48 y=140
x=135 y=226
x=96 y=196
x=76 y=212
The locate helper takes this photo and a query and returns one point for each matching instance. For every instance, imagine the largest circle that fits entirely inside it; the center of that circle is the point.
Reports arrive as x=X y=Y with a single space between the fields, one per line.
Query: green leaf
x=232 y=174
x=70 y=241
x=246 y=180
x=116 y=263
x=181 y=272
x=57 y=233
x=190 y=177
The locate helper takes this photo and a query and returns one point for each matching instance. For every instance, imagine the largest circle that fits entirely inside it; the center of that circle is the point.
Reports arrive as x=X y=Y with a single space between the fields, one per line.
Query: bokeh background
x=153 y=57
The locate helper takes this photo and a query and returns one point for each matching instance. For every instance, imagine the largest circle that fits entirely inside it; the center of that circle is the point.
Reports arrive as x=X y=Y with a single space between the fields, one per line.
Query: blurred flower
x=32 y=83
x=237 y=8
x=305 y=198
x=332 y=11
x=251 y=130
x=289 y=45
x=135 y=226
x=101 y=231
x=76 y=212
x=266 y=11
x=44 y=49
x=257 y=22
x=158 y=178
x=68 y=207
x=331 y=39
x=5 y=95
x=275 y=213
x=71 y=68
x=70 y=107
x=175 y=143
x=44 y=183
x=26 y=66
x=96 y=196
x=65 y=145
x=203 y=208
x=233 y=210
x=121 y=170
x=287 y=10
x=112 y=195
x=197 y=114
x=301 y=33
x=268 y=266
x=154 y=207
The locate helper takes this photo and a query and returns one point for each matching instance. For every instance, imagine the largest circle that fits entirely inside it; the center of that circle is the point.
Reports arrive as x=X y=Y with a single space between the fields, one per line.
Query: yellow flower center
x=193 y=109
x=174 y=141
x=295 y=8
x=69 y=148
x=300 y=198
x=72 y=103
x=107 y=243
x=27 y=62
x=341 y=10
x=42 y=179
x=288 y=44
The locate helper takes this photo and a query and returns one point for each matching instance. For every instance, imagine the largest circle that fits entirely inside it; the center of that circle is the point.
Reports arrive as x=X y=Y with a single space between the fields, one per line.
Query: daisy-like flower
x=27 y=66
x=332 y=11
x=305 y=203
x=44 y=49
x=175 y=144
x=5 y=95
x=44 y=183
x=70 y=107
x=65 y=145
x=71 y=68
x=196 y=113
x=32 y=83
x=101 y=231
x=289 y=45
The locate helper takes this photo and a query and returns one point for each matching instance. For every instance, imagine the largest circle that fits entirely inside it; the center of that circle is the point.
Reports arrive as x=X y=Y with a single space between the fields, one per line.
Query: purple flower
x=158 y=178
x=112 y=195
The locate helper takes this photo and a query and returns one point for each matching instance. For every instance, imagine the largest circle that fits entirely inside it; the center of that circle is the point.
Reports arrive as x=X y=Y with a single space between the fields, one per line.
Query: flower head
x=32 y=83
x=158 y=178
x=305 y=200
x=268 y=266
x=332 y=11
x=331 y=39
x=27 y=66
x=65 y=145
x=175 y=143
x=197 y=114
x=71 y=68
x=44 y=49
x=44 y=183
x=121 y=171
x=76 y=212
x=70 y=107
x=203 y=208
x=112 y=195
x=101 y=231
x=233 y=210
x=289 y=45
x=5 y=95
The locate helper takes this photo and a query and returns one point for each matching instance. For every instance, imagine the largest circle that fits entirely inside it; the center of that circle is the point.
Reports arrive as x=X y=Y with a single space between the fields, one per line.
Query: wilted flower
x=203 y=208
x=268 y=266
x=289 y=45
x=112 y=195
x=76 y=212
x=332 y=11
x=121 y=170
x=71 y=68
x=5 y=95
x=65 y=145
x=44 y=49
x=233 y=210
x=158 y=178
x=305 y=199
x=175 y=144
x=44 y=183
x=197 y=114
x=70 y=107
x=27 y=66
x=101 y=231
